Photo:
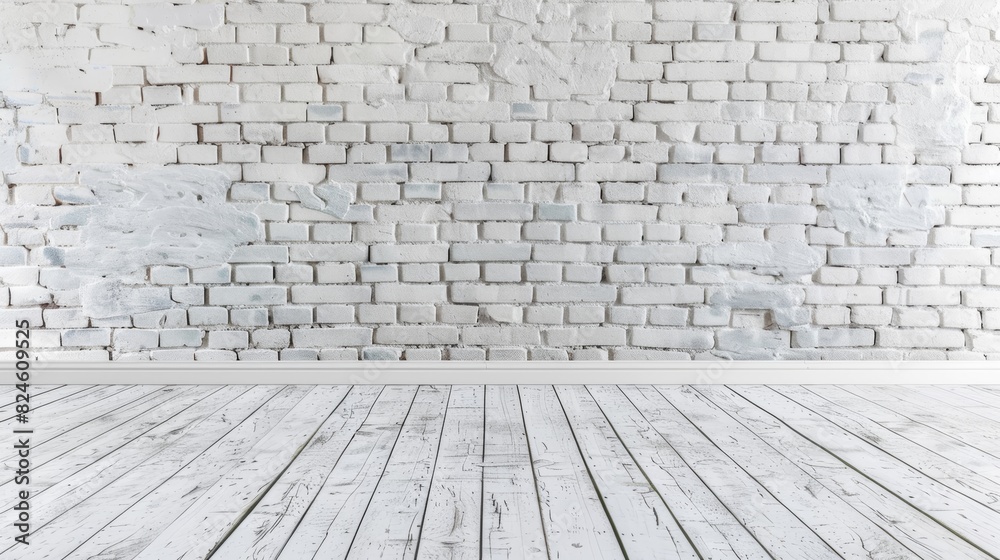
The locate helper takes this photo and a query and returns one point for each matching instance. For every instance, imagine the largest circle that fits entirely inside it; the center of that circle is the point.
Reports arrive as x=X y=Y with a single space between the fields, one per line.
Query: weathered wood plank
x=452 y=520
x=852 y=536
x=512 y=523
x=266 y=529
x=925 y=436
x=713 y=529
x=394 y=519
x=966 y=517
x=54 y=469
x=645 y=525
x=10 y=390
x=776 y=528
x=493 y=472
x=81 y=504
x=130 y=532
x=210 y=517
x=955 y=399
x=88 y=467
x=69 y=448
x=331 y=520
x=947 y=420
x=41 y=404
x=922 y=535
x=81 y=418
x=37 y=394
x=576 y=525
x=979 y=393
x=952 y=474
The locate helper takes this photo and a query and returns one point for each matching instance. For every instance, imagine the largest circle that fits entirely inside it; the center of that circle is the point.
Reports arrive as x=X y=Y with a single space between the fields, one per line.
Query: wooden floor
x=565 y=472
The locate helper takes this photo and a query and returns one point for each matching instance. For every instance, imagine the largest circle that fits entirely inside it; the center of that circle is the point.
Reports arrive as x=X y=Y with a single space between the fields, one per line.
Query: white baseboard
x=698 y=372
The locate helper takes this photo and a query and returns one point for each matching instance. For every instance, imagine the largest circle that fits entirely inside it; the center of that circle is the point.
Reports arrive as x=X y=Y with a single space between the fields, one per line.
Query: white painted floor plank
x=920 y=534
x=980 y=394
x=266 y=529
x=952 y=474
x=131 y=530
x=452 y=522
x=86 y=419
x=81 y=504
x=512 y=522
x=128 y=435
x=947 y=420
x=502 y=472
x=61 y=483
x=40 y=404
x=957 y=400
x=197 y=531
x=8 y=395
x=777 y=529
x=94 y=404
x=85 y=443
x=966 y=517
x=575 y=522
x=393 y=520
x=645 y=525
x=927 y=437
x=332 y=519
x=852 y=536
x=715 y=532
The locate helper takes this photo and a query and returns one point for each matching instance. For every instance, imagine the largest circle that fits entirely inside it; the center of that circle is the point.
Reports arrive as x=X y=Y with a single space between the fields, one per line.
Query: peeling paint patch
x=584 y=69
x=139 y=218
x=19 y=76
x=114 y=298
x=788 y=259
x=540 y=55
x=10 y=137
x=329 y=198
x=524 y=11
x=414 y=25
x=784 y=302
x=870 y=201
x=933 y=106
x=984 y=12
x=195 y=16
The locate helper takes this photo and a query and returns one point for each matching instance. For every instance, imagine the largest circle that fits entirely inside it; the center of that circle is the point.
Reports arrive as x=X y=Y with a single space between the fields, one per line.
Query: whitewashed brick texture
x=501 y=179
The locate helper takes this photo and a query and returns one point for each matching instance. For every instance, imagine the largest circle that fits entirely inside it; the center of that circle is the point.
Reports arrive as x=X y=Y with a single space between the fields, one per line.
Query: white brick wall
x=508 y=179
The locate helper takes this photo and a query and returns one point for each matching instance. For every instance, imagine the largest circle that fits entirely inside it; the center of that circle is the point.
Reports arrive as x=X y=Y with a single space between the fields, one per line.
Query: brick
x=331 y=294
x=331 y=337
x=495 y=293
x=265 y=13
x=839 y=338
x=663 y=295
x=777 y=12
x=576 y=294
x=920 y=338
x=490 y=252
x=247 y=295
x=417 y=335
x=205 y=16
x=386 y=253
x=86 y=337
x=672 y=338
x=531 y=171
x=133 y=340
x=493 y=211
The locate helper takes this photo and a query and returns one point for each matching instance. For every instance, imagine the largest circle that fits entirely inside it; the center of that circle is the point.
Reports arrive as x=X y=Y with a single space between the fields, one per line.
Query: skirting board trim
x=478 y=373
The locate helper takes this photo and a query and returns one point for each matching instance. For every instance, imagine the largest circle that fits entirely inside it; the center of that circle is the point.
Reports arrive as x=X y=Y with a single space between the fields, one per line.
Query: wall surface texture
x=502 y=179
